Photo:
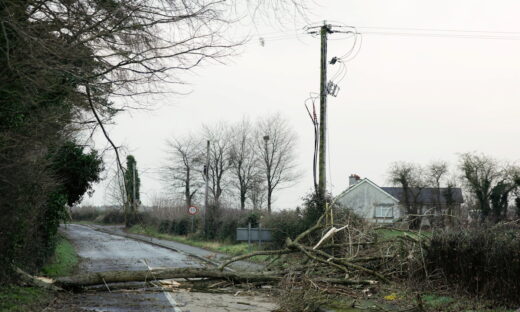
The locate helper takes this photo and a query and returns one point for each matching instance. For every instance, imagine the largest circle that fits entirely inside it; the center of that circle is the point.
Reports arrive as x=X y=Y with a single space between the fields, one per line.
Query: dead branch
x=255 y=253
x=331 y=260
x=310 y=230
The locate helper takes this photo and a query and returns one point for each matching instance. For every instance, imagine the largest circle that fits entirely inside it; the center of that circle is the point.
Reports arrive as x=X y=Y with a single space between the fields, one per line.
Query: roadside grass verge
x=64 y=260
x=15 y=298
x=228 y=248
x=21 y=299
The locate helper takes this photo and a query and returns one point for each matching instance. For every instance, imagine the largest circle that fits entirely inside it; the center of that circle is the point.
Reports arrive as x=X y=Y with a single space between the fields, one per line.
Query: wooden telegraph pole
x=322 y=167
x=206 y=191
x=326 y=88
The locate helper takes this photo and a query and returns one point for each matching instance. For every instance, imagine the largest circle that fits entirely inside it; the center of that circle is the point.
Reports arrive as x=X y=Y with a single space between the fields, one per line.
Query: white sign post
x=192 y=211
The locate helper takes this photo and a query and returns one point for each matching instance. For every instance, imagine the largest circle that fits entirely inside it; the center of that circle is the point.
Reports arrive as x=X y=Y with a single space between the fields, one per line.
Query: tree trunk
x=187 y=188
x=242 y=200
x=89 y=279
x=269 y=192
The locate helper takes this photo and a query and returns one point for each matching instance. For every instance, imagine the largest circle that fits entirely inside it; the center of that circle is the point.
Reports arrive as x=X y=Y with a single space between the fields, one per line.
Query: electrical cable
x=441 y=30
x=312 y=97
x=456 y=36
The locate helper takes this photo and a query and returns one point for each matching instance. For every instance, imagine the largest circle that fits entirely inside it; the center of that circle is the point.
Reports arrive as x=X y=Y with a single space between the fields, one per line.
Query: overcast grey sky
x=405 y=98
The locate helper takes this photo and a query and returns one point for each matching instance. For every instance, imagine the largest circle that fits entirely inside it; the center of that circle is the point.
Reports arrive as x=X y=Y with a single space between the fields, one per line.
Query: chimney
x=353 y=179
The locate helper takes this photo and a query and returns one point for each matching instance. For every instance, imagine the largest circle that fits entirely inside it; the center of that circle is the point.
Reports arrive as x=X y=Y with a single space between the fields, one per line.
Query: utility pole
x=206 y=191
x=322 y=167
x=134 y=204
x=326 y=88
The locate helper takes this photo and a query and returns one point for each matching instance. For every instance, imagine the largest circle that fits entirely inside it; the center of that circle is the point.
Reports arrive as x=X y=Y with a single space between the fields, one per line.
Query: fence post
x=249 y=233
x=259 y=234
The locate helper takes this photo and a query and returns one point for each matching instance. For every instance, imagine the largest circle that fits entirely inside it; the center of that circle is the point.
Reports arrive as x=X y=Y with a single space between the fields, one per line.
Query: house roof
x=366 y=180
x=426 y=195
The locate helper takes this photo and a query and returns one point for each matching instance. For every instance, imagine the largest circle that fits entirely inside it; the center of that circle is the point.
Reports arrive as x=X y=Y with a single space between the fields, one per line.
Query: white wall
x=364 y=198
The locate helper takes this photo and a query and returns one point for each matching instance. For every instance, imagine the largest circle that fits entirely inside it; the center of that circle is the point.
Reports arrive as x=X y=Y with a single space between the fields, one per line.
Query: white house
x=369 y=201
x=387 y=204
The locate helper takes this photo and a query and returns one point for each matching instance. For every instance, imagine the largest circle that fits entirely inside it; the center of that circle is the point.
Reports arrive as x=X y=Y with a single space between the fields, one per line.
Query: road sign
x=192 y=210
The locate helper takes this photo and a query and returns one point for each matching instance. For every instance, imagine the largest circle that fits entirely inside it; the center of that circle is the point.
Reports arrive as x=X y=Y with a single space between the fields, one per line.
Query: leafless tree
x=219 y=136
x=184 y=166
x=276 y=147
x=243 y=159
x=410 y=177
x=435 y=173
x=116 y=189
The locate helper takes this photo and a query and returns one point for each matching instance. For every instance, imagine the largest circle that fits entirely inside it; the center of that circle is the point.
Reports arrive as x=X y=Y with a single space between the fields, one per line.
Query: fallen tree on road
x=328 y=258
x=89 y=279
x=99 y=278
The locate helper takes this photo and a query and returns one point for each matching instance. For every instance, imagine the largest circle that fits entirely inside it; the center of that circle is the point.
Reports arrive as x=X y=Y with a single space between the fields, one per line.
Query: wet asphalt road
x=100 y=251
x=104 y=252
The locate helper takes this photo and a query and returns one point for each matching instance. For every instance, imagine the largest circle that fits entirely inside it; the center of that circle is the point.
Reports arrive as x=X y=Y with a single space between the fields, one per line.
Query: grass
x=63 y=262
x=436 y=301
x=21 y=299
x=231 y=249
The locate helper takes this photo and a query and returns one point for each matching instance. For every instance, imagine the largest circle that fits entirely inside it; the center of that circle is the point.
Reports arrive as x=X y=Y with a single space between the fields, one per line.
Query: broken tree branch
x=255 y=253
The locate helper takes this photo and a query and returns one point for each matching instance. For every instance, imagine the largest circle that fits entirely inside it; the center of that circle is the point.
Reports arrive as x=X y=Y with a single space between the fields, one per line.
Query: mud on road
x=100 y=252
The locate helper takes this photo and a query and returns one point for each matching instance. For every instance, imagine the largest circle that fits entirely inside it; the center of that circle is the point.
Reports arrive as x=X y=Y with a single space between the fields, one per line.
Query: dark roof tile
x=427 y=195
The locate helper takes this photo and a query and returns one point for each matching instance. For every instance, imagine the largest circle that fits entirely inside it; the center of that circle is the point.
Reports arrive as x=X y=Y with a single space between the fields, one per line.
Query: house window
x=384 y=212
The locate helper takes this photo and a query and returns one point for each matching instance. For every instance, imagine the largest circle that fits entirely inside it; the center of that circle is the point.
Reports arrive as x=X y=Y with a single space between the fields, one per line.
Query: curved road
x=100 y=251
x=104 y=252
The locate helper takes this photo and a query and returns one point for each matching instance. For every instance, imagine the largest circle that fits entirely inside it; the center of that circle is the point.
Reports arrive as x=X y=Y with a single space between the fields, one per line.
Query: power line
x=395 y=31
x=442 y=30
x=457 y=36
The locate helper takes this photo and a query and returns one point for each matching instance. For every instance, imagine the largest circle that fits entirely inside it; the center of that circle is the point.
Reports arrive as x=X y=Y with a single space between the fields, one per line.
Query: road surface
x=100 y=251
x=186 y=249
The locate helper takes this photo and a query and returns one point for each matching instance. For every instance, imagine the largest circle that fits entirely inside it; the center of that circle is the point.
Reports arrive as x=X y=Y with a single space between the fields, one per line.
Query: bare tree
x=243 y=159
x=183 y=169
x=436 y=172
x=116 y=192
x=410 y=177
x=220 y=145
x=276 y=147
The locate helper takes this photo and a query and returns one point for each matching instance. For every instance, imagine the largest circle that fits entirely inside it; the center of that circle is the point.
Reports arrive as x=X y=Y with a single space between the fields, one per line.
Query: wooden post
x=322 y=182
x=206 y=191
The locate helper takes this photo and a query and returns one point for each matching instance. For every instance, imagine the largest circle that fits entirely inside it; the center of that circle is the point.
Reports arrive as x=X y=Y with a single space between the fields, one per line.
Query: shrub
x=228 y=221
x=113 y=217
x=165 y=226
x=483 y=261
x=85 y=213
x=181 y=226
x=286 y=223
x=221 y=223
